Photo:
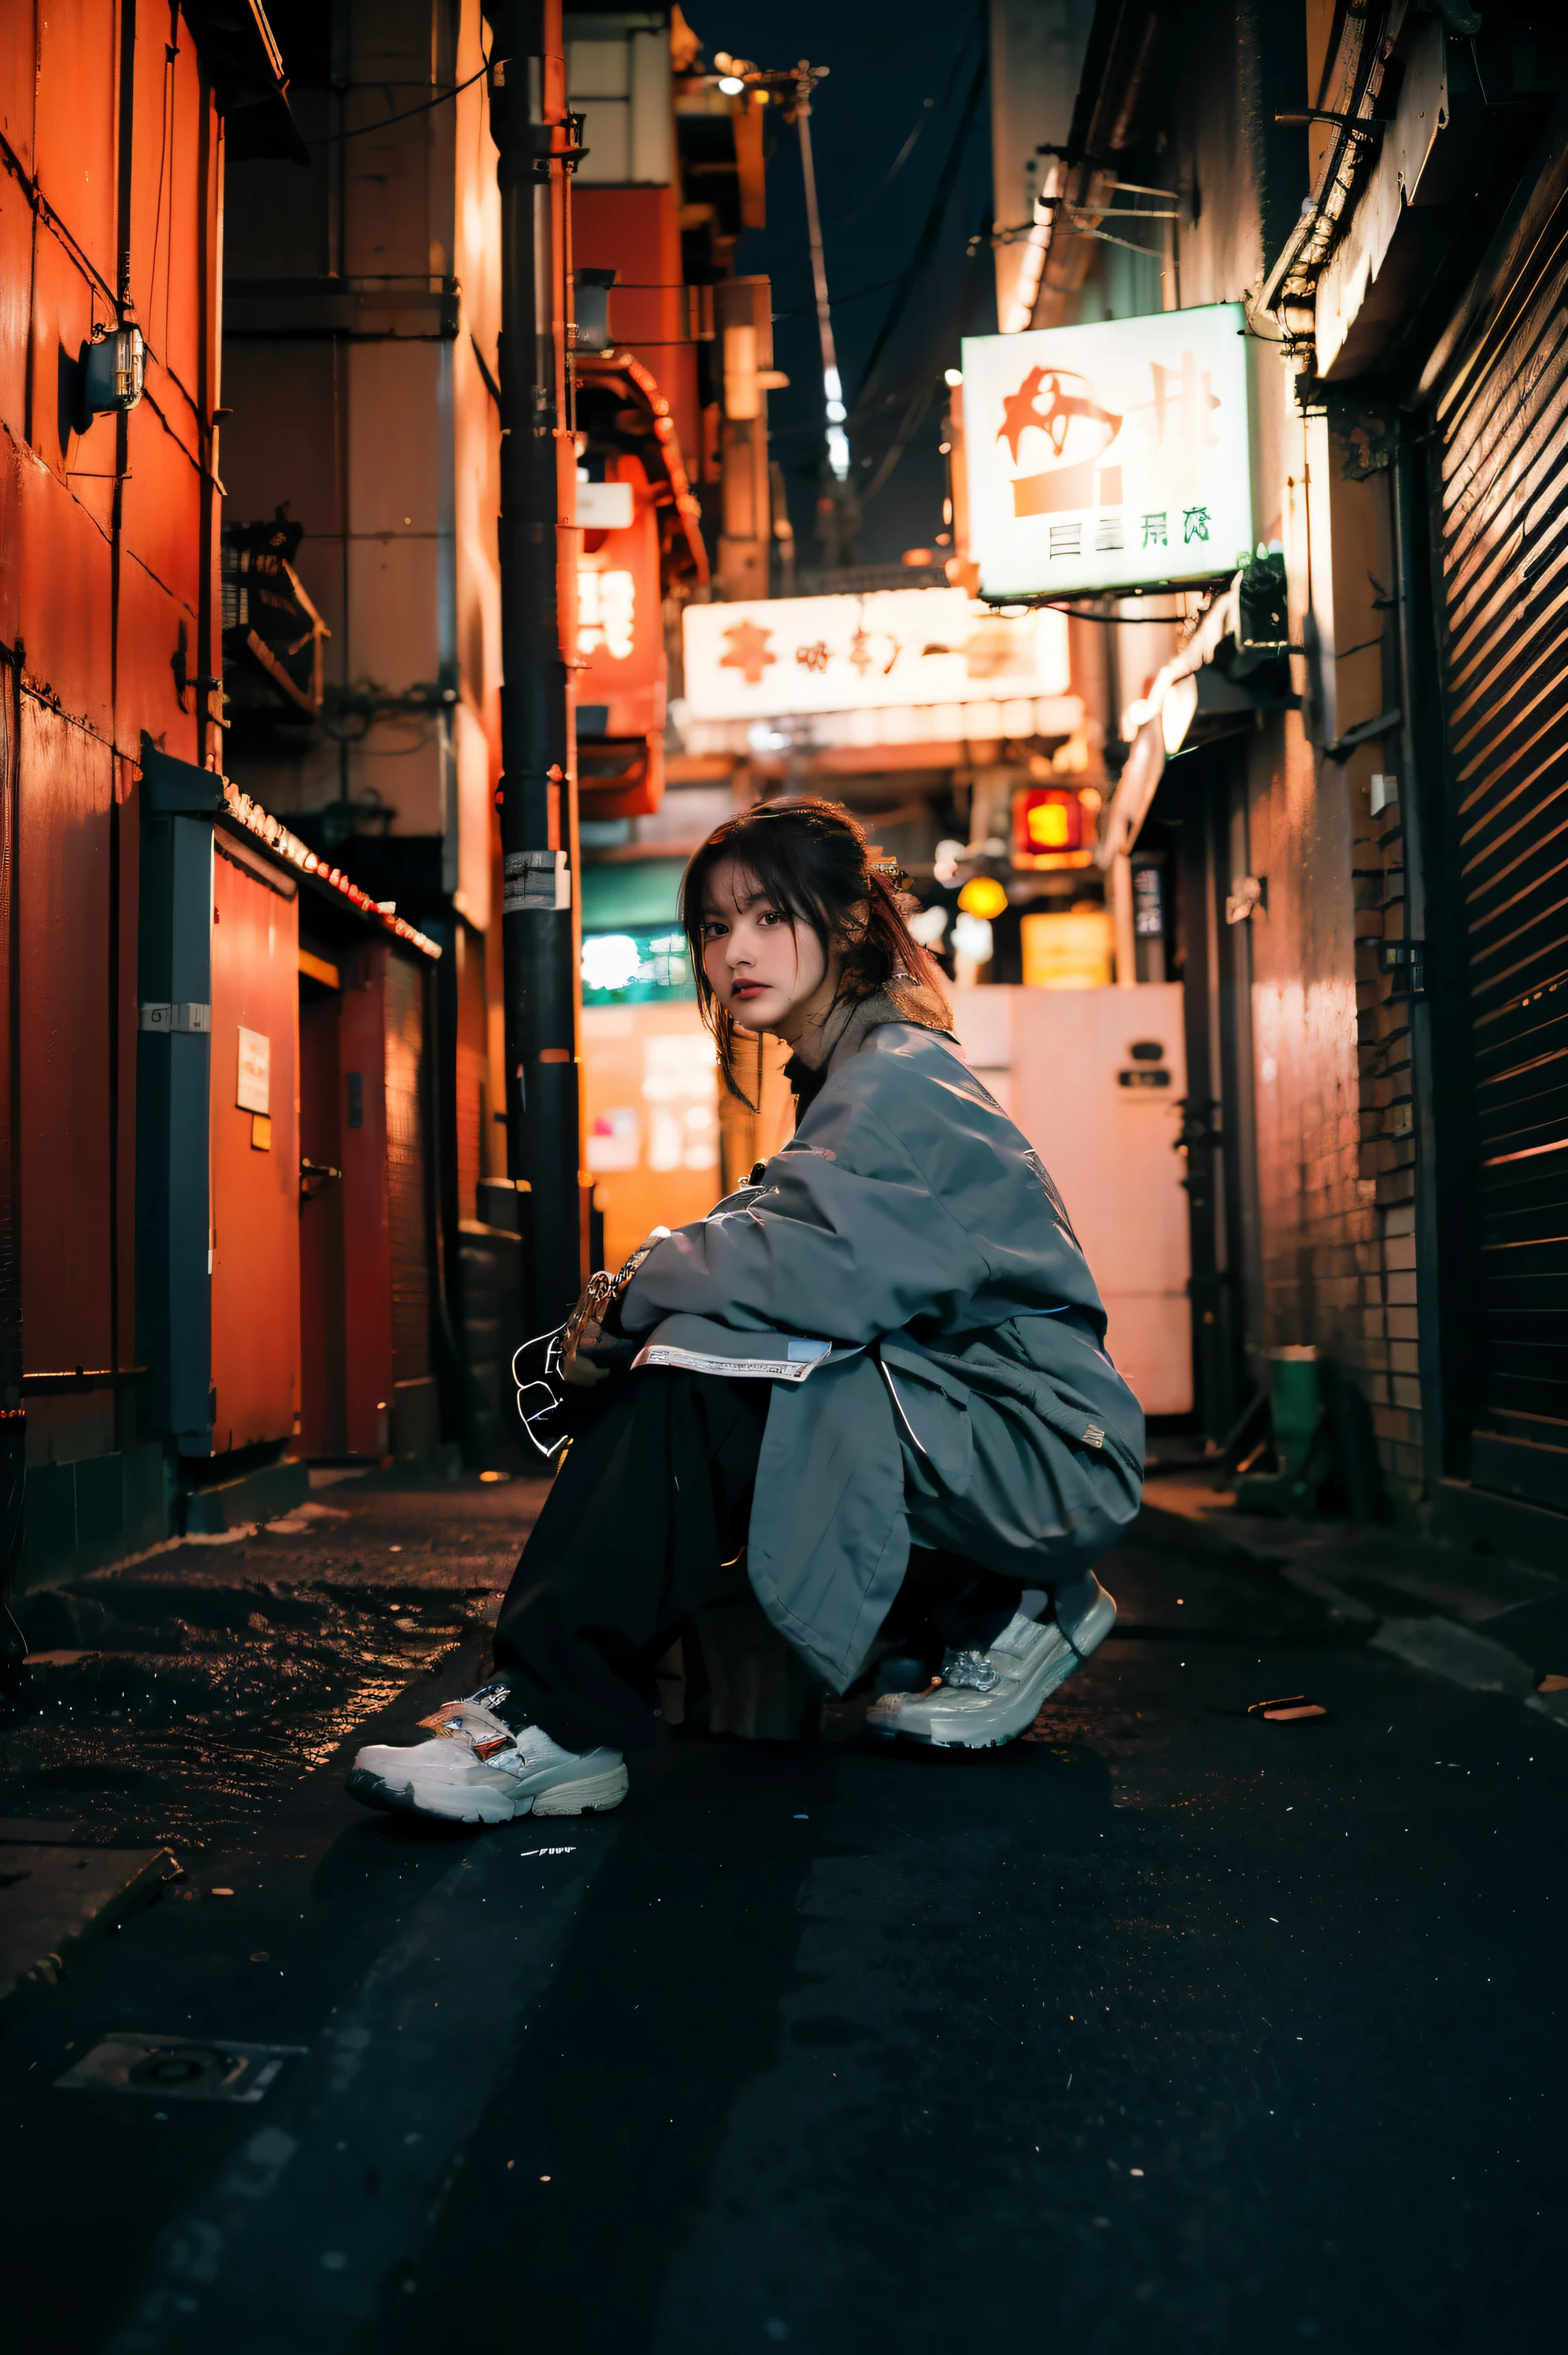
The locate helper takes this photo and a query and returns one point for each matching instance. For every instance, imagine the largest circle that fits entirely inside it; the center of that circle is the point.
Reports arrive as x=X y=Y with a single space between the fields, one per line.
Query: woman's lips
x=748 y=989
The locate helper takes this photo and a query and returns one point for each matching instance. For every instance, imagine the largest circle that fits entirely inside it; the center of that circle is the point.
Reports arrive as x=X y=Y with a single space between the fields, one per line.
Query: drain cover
x=178 y=2068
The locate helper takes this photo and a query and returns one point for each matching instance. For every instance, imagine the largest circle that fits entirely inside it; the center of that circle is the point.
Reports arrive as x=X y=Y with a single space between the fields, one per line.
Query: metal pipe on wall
x=1126 y=931
x=537 y=794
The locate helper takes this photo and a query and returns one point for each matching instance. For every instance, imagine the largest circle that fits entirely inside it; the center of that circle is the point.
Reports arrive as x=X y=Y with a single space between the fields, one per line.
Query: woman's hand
x=585 y=1325
x=578 y=1370
x=584 y=1328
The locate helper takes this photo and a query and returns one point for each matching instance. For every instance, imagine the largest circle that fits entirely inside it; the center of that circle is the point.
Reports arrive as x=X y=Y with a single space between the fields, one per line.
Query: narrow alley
x=783 y=1176
x=1171 y=2023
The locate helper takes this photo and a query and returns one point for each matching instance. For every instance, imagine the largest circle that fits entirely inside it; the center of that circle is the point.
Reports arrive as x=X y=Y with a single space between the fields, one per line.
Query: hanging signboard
x=619 y=620
x=1109 y=457
x=783 y=655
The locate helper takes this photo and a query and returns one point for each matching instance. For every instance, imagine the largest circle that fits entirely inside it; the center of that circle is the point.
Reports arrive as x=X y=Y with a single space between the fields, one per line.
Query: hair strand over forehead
x=809 y=858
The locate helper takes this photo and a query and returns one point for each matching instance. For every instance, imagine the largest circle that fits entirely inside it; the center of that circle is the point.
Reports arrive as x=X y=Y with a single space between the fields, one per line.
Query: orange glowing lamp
x=983 y=896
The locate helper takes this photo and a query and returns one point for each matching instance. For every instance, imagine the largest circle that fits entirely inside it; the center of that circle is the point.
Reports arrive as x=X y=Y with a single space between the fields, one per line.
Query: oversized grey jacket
x=906 y=1275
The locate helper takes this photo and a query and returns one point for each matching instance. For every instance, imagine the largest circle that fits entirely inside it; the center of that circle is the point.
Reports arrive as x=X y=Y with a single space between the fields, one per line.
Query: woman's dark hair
x=809 y=859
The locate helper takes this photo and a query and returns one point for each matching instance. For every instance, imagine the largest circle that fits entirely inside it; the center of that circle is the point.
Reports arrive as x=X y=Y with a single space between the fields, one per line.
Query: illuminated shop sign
x=606 y=612
x=1054 y=825
x=620 y=622
x=636 y=968
x=784 y=655
x=1109 y=457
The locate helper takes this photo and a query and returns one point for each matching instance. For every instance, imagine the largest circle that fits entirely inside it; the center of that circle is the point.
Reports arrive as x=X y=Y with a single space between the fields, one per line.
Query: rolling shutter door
x=1502 y=525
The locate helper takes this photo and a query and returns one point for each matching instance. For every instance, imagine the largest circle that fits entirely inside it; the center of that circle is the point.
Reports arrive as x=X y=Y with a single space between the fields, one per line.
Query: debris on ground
x=179 y=2069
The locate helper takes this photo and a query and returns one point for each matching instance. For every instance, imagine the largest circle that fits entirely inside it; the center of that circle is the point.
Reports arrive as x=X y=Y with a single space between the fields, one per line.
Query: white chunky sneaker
x=984 y=1699
x=475 y=1770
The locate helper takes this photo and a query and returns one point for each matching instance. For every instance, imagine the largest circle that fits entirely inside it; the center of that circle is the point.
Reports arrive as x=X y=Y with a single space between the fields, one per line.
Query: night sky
x=887 y=61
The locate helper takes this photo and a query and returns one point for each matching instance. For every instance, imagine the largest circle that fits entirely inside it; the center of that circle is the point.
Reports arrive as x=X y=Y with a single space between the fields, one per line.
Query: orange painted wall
x=255 y=1193
x=635 y=231
x=108 y=177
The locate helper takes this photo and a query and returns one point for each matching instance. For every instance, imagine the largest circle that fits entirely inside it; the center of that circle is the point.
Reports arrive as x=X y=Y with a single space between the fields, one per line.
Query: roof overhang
x=682 y=547
x=235 y=43
x=176 y=788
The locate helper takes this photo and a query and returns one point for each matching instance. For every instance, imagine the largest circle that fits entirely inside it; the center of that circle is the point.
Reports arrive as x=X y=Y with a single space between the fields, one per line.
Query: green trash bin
x=1295 y=1391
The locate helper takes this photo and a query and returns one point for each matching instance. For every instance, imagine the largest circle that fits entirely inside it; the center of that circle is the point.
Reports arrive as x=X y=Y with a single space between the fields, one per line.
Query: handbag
x=567 y=1345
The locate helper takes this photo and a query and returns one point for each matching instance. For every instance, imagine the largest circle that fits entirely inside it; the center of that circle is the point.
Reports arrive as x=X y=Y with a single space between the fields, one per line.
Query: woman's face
x=768 y=974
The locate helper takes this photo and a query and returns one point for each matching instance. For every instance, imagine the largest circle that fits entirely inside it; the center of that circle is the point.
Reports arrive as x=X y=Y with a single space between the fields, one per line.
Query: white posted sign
x=254 y=1091
x=1109 y=457
x=783 y=655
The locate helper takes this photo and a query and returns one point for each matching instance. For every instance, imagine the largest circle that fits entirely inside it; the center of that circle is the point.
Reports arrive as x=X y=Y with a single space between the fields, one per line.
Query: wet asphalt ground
x=1167 y=2027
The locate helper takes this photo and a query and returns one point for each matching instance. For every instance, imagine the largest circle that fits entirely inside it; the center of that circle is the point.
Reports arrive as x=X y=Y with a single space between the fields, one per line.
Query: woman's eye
x=770 y=916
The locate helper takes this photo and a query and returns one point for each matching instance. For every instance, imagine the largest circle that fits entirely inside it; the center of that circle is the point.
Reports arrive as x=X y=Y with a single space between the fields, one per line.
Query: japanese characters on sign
x=620 y=621
x=606 y=612
x=796 y=655
x=1109 y=457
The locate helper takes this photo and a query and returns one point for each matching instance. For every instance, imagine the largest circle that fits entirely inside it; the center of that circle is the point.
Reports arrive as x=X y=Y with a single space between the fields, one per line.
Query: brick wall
x=1387 y=1145
x=1336 y=1143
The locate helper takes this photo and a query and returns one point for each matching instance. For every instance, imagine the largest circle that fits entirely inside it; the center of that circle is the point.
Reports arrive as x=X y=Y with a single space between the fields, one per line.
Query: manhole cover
x=178 y=2068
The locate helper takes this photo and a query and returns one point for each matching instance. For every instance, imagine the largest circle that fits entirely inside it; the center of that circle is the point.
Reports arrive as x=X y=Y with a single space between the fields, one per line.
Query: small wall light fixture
x=113 y=370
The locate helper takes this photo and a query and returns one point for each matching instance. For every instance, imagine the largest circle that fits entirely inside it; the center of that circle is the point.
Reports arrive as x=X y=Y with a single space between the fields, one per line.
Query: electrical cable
x=171 y=51
x=1111 y=620
x=924 y=388
x=837 y=302
x=930 y=107
x=913 y=417
x=332 y=138
x=930 y=229
x=900 y=160
x=922 y=120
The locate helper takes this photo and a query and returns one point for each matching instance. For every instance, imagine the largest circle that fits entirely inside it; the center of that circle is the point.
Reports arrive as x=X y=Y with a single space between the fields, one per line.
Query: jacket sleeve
x=845 y=1240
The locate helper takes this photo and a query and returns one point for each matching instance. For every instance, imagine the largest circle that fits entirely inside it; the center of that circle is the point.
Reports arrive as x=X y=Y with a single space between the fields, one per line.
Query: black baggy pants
x=653 y=1498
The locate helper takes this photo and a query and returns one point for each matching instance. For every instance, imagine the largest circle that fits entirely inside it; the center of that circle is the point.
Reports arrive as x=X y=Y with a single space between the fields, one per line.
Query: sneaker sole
x=591 y=1794
x=397 y=1799
x=1091 y=1631
x=595 y=1794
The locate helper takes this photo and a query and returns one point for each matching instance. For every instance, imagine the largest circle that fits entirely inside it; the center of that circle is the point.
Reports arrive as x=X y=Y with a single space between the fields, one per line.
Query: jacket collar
x=852 y=1025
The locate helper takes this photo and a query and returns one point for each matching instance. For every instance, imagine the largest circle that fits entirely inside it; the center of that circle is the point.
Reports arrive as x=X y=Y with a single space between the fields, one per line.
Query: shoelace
x=468 y=1720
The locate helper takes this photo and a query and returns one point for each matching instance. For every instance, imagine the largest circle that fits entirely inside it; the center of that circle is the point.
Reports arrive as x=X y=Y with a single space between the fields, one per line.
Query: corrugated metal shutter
x=1502 y=494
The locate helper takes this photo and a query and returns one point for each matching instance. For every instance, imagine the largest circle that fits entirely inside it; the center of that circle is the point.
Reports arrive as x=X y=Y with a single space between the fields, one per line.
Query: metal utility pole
x=835 y=506
x=832 y=385
x=837 y=509
x=537 y=796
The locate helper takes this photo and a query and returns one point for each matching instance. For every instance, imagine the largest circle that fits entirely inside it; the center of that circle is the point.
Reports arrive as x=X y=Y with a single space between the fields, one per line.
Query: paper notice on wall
x=254 y=1091
x=535 y=881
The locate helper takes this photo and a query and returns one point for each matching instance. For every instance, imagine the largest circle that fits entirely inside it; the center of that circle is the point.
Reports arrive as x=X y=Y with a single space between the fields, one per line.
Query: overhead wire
x=922 y=120
x=837 y=302
x=909 y=426
x=363 y=130
x=923 y=389
x=931 y=229
x=171 y=51
x=930 y=108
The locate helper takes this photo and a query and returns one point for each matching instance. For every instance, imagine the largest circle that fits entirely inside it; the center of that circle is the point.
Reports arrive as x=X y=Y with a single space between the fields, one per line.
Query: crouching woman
x=879 y=1368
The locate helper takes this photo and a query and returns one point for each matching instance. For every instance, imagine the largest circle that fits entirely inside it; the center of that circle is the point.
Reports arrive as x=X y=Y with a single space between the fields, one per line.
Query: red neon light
x=285 y=845
x=1050 y=819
